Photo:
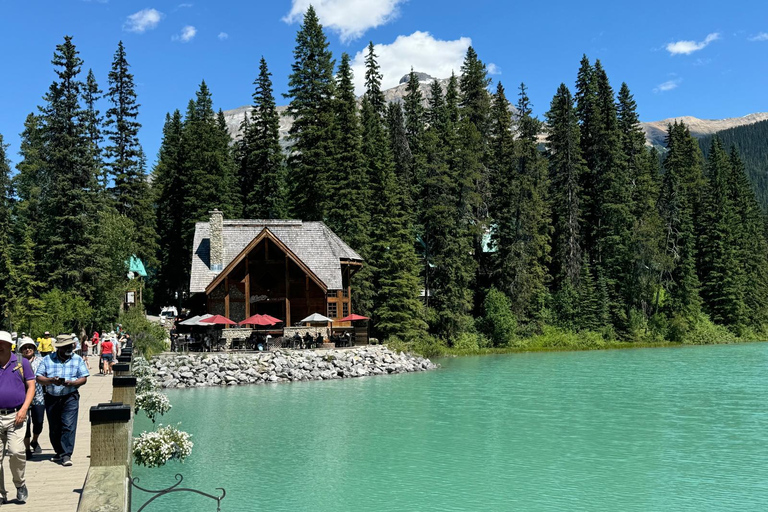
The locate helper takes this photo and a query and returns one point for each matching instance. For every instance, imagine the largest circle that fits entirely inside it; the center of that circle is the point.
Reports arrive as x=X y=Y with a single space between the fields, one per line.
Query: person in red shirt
x=107 y=356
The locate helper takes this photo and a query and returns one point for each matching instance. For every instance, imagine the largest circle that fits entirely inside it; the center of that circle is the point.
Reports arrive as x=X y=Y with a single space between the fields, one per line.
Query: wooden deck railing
x=107 y=485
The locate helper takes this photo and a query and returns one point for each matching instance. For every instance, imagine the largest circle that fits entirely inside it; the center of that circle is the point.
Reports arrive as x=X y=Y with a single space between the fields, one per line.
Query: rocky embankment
x=187 y=371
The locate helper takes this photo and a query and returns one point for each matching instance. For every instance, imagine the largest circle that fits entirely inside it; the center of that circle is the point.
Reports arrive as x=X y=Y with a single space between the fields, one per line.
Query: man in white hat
x=16 y=392
x=62 y=373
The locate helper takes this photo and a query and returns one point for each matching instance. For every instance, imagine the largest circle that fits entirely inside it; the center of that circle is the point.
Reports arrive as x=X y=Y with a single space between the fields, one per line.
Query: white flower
x=153 y=449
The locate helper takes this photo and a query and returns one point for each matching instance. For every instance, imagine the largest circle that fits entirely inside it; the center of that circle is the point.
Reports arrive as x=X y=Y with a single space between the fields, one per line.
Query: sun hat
x=6 y=337
x=63 y=340
x=26 y=341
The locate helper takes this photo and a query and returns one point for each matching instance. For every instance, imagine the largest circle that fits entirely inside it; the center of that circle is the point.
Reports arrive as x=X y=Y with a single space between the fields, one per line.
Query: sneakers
x=22 y=494
x=36 y=447
x=66 y=461
x=57 y=457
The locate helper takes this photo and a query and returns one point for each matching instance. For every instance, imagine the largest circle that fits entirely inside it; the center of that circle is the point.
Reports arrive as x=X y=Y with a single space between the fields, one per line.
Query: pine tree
x=473 y=84
x=566 y=167
x=720 y=270
x=751 y=242
x=262 y=177
x=646 y=239
x=125 y=157
x=447 y=205
x=403 y=157
x=32 y=183
x=413 y=109
x=92 y=119
x=6 y=193
x=349 y=215
x=70 y=206
x=588 y=114
x=311 y=89
x=168 y=191
x=522 y=232
x=208 y=172
x=678 y=204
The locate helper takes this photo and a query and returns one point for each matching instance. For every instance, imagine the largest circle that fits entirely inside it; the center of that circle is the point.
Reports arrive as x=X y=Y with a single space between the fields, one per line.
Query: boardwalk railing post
x=107 y=483
x=111 y=435
x=124 y=389
x=121 y=369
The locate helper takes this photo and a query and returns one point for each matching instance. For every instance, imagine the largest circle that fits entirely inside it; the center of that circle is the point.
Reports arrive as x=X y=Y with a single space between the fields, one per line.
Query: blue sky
x=705 y=59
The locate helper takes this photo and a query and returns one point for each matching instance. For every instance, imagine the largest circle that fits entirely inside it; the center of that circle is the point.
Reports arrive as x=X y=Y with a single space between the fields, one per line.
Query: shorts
x=106 y=357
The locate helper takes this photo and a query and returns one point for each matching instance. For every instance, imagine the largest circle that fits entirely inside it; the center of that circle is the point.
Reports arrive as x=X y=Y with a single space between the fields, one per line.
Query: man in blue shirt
x=62 y=373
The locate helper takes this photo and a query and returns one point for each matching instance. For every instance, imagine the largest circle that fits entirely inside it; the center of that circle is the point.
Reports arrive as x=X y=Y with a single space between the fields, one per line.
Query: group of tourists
x=42 y=380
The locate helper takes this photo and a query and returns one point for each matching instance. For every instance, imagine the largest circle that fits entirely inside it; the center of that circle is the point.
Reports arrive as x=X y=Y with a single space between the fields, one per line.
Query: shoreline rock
x=228 y=369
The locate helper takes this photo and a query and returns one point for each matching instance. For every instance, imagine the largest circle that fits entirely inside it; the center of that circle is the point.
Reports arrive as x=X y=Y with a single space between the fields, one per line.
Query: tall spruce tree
x=678 y=205
x=752 y=244
x=125 y=157
x=403 y=157
x=413 y=110
x=445 y=204
x=93 y=126
x=70 y=205
x=311 y=90
x=566 y=167
x=646 y=239
x=349 y=215
x=522 y=233
x=721 y=272
x=208 y=172
x=261 y=174
x=6 y=296
x=168 y=191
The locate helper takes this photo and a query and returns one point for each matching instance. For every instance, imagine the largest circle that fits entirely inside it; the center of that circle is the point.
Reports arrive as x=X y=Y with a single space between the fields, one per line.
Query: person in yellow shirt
x=45 y=344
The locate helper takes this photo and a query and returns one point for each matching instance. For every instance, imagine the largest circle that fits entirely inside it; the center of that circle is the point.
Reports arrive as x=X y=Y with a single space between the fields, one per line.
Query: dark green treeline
x=480 y=224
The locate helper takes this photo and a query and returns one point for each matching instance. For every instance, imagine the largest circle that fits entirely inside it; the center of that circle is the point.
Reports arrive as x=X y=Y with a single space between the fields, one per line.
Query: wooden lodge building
x=285 y=268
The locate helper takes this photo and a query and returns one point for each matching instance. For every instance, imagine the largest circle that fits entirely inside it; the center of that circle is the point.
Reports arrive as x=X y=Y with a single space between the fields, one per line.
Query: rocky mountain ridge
x=655 y=131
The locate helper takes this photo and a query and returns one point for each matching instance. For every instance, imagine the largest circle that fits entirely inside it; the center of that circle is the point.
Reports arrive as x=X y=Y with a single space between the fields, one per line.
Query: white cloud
x=145 y=19
x=493 y=69
x=223 y=36
x=187 y=34
x=668 y=85
x=419 y=51
x=688 y=47
x=184 y=6
x=350 y=19
x=762 y=36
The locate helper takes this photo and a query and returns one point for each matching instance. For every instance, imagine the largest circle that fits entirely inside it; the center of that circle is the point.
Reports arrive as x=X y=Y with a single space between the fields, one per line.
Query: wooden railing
x=107 y=485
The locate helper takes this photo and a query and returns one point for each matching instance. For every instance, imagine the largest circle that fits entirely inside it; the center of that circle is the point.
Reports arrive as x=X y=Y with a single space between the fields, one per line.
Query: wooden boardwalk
x=52 y=486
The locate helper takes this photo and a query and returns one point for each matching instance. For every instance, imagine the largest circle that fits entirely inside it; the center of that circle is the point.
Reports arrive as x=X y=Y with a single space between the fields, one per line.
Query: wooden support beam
x=247 y=289
x=226 y=297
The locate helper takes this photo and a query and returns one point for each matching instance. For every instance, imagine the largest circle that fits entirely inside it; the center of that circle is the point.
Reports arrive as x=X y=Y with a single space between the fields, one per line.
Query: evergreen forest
x=482 y=226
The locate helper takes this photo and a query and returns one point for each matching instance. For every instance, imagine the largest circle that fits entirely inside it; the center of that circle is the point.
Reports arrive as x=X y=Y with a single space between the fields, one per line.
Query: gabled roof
x=312 y=242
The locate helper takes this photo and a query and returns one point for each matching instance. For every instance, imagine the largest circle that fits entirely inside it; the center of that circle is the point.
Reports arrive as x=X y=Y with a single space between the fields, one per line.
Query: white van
x=167 y=314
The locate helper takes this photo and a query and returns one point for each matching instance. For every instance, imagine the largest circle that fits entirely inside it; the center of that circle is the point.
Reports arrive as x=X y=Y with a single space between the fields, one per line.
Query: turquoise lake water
x=679 y=429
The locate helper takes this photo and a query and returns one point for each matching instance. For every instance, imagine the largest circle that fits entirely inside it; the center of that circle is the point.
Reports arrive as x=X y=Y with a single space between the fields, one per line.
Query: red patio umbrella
x=218 y=319
x=352 y=318
x=260 y=320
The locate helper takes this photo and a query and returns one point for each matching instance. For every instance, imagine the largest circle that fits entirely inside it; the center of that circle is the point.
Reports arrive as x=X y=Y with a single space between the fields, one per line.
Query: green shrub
x=148 y=337
x=558 y=338
x=703 y=331
x=498 y=323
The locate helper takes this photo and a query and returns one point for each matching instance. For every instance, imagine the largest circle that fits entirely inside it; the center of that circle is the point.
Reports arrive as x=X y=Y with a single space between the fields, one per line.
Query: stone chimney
x=216 y=236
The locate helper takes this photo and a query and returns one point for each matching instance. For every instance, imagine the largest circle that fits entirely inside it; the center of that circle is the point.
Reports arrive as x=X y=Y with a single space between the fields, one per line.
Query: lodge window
x=344 y=309
x=345 y=294
x=333 y=294
x=332 y=310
